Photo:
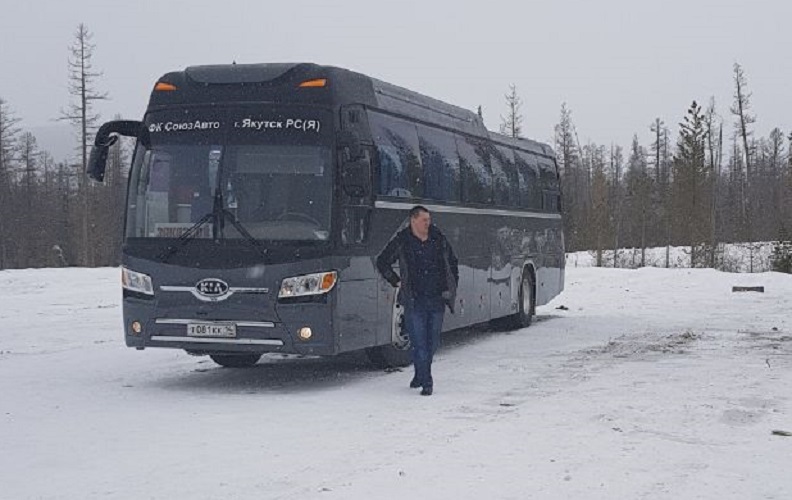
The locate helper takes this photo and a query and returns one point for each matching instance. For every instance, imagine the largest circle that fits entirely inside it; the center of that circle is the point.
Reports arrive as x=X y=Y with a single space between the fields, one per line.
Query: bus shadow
x=278 y=373
x=274 y=374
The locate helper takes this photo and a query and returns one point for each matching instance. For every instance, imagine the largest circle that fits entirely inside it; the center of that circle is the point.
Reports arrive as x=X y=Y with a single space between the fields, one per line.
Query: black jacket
x=396 y=250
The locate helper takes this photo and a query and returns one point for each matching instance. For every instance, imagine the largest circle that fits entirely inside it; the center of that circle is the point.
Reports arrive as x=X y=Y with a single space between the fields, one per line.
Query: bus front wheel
x=235 y=360
x=397 y=353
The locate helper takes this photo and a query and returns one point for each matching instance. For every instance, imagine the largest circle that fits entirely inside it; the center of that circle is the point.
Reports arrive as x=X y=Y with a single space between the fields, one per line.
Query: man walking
x=428 y=283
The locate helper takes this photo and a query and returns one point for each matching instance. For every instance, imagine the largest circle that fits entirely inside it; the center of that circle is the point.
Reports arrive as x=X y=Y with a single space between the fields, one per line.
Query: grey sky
x=617 y=63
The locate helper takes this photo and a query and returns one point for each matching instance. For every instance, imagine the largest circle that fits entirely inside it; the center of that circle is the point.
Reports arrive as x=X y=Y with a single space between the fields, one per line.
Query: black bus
x=259 y=196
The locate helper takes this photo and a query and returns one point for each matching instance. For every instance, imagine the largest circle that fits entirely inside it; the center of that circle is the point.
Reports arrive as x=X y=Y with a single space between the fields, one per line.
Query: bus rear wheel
x=525 y=312
x=235 y=360
x=397 y=353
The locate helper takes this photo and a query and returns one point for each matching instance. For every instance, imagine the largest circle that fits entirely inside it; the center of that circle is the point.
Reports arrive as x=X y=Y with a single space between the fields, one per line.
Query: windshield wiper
x=187 y=236
x=218 y=215
x=215 y=216
x=244 y=232
x=224 y=212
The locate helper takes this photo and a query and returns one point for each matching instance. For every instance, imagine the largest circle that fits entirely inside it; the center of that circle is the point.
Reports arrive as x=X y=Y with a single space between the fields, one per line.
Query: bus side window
x=504 y=174
x=530 y=187
x=551 y=189
x=399 y=165
x=440 y=164
x=476 y=175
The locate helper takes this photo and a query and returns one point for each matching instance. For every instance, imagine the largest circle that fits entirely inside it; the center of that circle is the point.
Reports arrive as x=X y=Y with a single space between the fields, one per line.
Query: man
x=428 y=283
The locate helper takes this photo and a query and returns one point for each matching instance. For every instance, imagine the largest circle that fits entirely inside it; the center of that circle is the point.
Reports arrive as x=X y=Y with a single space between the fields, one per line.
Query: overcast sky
x=618 y=64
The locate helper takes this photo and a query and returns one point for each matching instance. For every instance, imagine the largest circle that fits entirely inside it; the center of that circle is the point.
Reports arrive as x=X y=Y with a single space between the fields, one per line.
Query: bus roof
x=280 y=82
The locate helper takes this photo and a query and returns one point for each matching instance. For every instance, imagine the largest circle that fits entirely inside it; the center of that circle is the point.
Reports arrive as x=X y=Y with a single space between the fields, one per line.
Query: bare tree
x=776 y=177
x=715 y=152
x=30 y=218
x=8 y=145
x=660 y=149
x=80 y=112
x=785 y=231
x=568 y=159
x=511 y=125
x=638 y=197
x=108 y=205
x=616 y=198
x=600 y=223
x=744 y=119
x=789 y=152
x=741 y=110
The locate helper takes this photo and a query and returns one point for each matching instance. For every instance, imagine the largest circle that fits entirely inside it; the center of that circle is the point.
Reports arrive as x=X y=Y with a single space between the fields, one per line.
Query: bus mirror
x=106 y=137
x=97 y=162
x=349 y=142
x=356 y=178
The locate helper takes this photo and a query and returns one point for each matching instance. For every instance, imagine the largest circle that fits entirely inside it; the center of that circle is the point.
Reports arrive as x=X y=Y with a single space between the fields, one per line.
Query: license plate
x=211 y=330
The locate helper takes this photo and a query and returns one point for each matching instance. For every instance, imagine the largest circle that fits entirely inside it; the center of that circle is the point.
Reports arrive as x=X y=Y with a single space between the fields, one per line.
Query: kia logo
x=212 y=287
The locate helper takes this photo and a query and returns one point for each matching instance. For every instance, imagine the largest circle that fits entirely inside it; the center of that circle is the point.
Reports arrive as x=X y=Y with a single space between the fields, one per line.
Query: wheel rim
x=399 y=337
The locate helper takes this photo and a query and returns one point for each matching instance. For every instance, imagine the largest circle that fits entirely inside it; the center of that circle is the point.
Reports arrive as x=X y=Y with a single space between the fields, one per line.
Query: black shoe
x=414 y=384
x=426 y=391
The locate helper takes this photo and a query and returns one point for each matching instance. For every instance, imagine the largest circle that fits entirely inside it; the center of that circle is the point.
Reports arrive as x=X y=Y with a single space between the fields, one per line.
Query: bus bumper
x=289 y=335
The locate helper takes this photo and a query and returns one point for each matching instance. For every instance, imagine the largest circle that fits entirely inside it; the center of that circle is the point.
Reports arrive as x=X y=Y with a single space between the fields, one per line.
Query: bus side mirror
x=356 y=177
x=105 y=138
x=97 y=161
x=349 y=143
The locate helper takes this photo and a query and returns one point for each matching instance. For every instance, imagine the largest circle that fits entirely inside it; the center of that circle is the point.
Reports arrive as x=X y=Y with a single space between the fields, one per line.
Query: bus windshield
x=277 y=186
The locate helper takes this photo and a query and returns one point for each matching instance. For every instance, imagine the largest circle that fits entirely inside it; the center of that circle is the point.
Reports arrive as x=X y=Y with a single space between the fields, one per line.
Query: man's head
x=420 y=220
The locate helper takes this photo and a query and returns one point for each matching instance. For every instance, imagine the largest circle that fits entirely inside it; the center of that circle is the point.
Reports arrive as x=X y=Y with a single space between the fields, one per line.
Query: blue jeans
x=424 y=320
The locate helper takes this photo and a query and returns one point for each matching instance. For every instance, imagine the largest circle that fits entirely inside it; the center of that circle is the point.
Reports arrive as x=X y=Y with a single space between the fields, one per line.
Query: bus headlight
x=136 y=282
x=310 y=284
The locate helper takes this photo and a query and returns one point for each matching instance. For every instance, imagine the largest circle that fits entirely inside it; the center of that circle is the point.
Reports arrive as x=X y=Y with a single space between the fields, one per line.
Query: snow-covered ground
x=731 y=257
x=654 y=383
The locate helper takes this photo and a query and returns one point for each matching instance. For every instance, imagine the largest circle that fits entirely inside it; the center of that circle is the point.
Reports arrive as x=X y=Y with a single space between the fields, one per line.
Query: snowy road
x=653 y=384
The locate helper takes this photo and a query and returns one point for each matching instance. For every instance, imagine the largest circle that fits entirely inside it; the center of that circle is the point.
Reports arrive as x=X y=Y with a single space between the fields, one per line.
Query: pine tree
x=689 y=184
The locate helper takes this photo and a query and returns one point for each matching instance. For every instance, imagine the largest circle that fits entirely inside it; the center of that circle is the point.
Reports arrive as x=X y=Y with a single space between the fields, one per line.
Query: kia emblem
x=212 y=287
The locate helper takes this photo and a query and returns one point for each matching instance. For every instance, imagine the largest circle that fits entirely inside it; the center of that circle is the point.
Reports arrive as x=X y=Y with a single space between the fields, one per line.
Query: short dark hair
x=417 y=210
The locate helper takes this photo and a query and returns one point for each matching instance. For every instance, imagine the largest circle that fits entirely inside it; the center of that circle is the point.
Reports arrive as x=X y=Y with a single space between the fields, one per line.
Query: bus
x=259 y=196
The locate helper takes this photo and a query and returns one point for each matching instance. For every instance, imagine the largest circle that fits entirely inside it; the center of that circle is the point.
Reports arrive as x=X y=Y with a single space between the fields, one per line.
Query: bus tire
x=235 y=360
x=526 y=305
x=397 y=353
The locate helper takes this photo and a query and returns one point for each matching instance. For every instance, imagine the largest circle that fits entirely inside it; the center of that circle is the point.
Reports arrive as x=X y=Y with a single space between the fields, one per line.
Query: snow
x=651 y=383
x=731 y=257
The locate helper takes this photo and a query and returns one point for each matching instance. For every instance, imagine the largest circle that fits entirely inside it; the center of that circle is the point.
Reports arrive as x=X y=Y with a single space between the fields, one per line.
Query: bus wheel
x=397 y=353
x=235 y=360
x=525 y=310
